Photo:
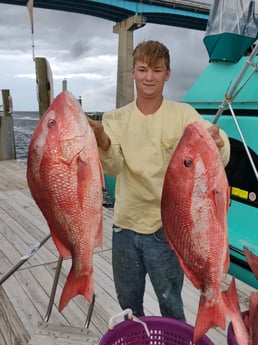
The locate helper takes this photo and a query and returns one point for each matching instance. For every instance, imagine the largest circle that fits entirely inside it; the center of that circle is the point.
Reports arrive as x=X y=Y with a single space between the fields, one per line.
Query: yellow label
x=243 y=194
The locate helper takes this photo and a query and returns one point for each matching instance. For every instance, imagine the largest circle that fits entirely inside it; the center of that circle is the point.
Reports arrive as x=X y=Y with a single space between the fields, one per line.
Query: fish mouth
x=196 y=130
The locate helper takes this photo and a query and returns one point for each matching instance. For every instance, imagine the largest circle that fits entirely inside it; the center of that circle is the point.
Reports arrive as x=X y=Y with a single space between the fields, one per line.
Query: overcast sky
x=83 y=50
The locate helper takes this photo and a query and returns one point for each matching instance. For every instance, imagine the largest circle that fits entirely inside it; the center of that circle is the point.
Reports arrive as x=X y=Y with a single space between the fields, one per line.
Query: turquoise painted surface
x=209 y=90
x=110 y=184
x=248 y=125
x=243 y=231
x=227 y=46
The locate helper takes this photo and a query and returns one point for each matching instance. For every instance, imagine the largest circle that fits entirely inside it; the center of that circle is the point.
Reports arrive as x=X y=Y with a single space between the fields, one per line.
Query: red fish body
x=194 y=209
x=65 y=179
x=253 y=318
x=252 y=260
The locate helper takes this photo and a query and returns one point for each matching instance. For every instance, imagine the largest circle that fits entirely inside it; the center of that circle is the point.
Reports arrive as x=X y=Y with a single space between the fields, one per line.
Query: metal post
x=24 y=258
x=229 y=97
x=53 y=291
x=64 y=85
x=5 y=96
x=243 y=141
x=44 y=84
x=7 y=139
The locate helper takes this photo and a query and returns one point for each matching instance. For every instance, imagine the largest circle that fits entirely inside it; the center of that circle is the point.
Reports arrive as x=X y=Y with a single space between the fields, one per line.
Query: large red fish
x=252 y=260
x=253 y=318
x=65 y=179
x=194 y=209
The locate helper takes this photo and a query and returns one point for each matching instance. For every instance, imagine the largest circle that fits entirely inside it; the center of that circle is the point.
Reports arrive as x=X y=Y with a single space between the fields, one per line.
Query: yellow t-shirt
x=141 y=147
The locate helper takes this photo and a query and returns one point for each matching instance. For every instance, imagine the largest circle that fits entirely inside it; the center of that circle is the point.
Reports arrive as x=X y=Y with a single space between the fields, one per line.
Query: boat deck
x=24 y=296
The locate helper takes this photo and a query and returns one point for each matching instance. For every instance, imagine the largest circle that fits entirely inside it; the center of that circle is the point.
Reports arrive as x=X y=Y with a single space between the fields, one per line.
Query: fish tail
x=231 y=301
x=209 y=316
x=77 y=285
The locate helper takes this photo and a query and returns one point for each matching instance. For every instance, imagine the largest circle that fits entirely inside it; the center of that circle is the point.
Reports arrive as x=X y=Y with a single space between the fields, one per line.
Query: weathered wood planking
x=12 y=330
x=49 y=334
x=24 y=296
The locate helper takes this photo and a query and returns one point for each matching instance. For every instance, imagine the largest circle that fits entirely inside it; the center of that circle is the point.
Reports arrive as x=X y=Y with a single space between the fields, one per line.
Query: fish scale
x=65 y=178
x=194 y=206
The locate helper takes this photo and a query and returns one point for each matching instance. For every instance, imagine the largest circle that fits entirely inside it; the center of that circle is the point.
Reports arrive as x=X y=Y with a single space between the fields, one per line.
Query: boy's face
x=150 y=80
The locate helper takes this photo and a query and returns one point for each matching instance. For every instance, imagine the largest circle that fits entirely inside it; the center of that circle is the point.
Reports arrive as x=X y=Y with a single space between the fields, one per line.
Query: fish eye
x=51 y=123
x=188 y=162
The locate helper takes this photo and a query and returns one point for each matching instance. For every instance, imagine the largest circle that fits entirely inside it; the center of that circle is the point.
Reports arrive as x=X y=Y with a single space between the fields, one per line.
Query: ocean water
x=24 y=124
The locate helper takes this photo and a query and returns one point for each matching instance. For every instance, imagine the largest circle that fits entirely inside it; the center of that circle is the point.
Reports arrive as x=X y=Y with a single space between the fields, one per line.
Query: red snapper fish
x=194 y=207
x=253 y=318
x=252 y=260
x=65 y=178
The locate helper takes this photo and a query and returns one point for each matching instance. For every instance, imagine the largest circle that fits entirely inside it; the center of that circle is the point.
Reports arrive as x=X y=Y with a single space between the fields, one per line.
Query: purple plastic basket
x=230 y=334
x=163 y=331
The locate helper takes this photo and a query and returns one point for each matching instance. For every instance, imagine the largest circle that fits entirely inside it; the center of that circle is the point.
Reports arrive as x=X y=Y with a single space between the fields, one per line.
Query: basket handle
x=115 y=318
x=143 y=324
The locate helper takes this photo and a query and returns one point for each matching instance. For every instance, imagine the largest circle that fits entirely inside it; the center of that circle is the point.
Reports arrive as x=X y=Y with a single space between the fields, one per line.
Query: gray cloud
x=83 y=49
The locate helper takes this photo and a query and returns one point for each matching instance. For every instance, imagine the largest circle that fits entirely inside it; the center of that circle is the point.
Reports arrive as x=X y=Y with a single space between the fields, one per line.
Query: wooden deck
x=24 y=296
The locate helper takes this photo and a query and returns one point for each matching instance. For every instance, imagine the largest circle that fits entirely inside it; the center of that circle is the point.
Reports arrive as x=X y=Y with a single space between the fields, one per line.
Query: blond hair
x=150 y=52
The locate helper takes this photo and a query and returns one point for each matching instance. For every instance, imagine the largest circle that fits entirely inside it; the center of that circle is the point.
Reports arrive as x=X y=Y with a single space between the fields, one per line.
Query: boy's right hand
x=102 y=138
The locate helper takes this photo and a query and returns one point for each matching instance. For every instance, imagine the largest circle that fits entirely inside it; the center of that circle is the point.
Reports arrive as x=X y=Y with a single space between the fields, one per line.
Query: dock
x=25 y=295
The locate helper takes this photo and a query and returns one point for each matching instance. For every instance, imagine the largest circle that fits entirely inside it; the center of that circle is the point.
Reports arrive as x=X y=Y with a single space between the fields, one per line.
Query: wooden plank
x=76 y=311
x=52 y=334
x=12 y=331
x=36 y=293
x=11 y=254
x=16 y=242
x=19 y=231
x=44 y=276
x=12 y=175
x=22 y=225
x=25 y=311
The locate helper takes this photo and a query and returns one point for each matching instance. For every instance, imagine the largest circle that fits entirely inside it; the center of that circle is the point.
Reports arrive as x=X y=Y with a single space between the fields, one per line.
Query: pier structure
x=25 y=295
x=125 y=86
x=7 y=141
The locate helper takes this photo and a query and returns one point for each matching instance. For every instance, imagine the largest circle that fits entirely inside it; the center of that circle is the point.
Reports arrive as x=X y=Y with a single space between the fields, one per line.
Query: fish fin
x=231 y=302
x=101 y=175
x=226 y=262
x=230 y=298
x=80 y=285
x=221 y=206
x=62 y=249
x=209 y=316
x=247 y=321
x=99 y=236
x=84 y=176
x=252 y=260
